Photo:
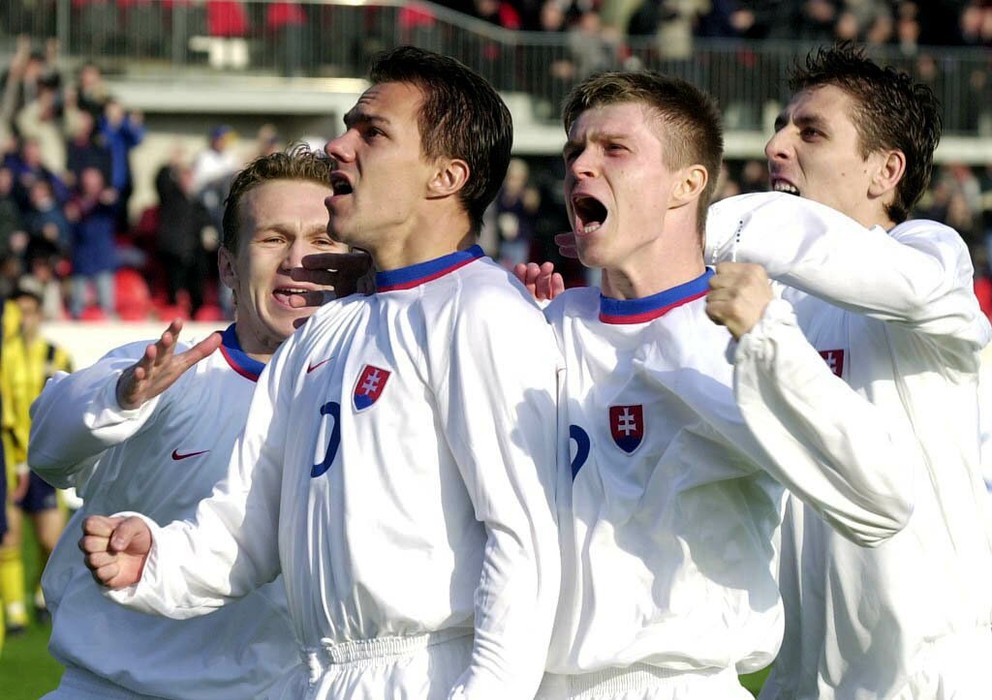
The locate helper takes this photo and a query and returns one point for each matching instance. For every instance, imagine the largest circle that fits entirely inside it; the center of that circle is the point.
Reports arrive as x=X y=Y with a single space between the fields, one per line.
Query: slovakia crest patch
x=369 y=386
x=834 y=360
x=627 y=426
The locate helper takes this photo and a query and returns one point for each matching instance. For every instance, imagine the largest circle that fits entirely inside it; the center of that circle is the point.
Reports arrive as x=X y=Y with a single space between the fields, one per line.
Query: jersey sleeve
x=919 y=276
x=497 y=404
x=230 y=547
x=77 y=417
x=829 y=445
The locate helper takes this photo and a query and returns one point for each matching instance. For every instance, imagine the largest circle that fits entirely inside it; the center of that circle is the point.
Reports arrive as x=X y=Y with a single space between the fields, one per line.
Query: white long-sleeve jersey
x=161 y=459
x=669 y=536
x=894 y=315
x=398 y=466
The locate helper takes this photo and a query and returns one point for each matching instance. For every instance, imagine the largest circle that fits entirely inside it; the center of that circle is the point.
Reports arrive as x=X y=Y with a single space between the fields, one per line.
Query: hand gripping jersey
x=398 y=466
x=160 y=459
x=893 y=314
x=670 y=531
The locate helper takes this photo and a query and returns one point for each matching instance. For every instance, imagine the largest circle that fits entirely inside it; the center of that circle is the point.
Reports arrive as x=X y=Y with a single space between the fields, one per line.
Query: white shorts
x=422 y=667
x=644 y=682
x=953 y=667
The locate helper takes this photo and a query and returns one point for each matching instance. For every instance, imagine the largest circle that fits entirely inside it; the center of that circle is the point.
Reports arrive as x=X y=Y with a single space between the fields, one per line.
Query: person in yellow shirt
x=26 y=363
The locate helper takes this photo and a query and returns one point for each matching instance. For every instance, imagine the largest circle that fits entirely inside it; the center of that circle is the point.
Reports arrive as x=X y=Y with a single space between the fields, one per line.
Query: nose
x=778 y=146
x=582 y=165
x=339 y=148
x=295 y=252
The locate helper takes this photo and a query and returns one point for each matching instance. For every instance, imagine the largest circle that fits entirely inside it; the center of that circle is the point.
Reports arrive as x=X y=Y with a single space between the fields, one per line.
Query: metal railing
x=322 y=38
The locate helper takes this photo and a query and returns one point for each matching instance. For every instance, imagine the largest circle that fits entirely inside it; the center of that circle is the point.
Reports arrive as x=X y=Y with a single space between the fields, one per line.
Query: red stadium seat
x=134 y=299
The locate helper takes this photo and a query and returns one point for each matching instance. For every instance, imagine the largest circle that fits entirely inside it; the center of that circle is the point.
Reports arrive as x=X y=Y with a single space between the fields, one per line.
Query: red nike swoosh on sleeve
x=311 y=368
x=177 y=455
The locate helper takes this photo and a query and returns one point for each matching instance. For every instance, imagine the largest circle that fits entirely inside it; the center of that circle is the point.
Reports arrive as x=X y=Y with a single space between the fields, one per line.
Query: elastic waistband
x=363 y=651
x=638 y=675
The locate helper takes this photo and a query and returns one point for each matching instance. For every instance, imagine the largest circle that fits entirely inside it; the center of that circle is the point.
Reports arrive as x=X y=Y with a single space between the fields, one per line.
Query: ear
x=890 y=168
x=690 y=186
x=226 y=267
x=450 y=177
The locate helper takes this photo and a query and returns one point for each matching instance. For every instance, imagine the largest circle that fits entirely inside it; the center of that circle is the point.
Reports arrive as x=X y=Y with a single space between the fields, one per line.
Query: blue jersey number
x=582 y=445
x=332 y=409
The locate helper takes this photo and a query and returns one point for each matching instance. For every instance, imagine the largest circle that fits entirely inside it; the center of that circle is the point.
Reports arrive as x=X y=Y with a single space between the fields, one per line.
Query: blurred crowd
x=67 y=230
x=906 y=23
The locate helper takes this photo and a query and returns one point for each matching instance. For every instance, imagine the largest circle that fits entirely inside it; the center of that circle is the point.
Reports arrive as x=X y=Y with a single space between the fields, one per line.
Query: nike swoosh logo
x=311 y=368
x=177 y=455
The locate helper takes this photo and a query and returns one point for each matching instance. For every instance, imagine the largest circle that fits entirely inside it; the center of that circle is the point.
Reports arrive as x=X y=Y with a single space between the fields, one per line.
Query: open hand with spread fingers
x=161 y=366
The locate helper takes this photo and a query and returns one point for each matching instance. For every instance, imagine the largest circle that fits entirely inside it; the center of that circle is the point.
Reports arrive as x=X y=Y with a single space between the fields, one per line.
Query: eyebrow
x=595 y=137
x=354 y=117
x=803 y=120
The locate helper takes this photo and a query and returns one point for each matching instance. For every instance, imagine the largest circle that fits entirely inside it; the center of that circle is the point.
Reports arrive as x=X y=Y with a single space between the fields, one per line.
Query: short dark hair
x=297 y=162
x=693 y=126
x=891 y=111
x=462 y=116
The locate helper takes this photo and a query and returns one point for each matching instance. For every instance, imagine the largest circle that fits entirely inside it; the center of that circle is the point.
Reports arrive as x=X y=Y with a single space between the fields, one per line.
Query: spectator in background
x=516 y=210
x=41 y=120
x=41 y=261
x=46 y=220
x=184 y=226
x=93 y=213
x=29 y=70
x=28 y=169
x=85 y=146
x=28 y=360
x=12 y=233
x=213 y=169
x=122 y=130
x=92 y=92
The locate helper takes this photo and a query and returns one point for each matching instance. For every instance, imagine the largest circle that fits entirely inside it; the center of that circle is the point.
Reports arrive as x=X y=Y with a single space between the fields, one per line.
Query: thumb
x=132 y=535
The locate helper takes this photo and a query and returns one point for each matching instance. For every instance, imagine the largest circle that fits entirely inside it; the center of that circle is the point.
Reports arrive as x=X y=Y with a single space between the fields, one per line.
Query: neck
x=428 y=241
x=252 y=344
x=668 y=261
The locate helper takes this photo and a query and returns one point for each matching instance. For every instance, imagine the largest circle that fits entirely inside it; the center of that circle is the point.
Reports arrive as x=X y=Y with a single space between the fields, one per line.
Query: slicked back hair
x=891 y=112
x=689 y=120
x=297 y=162
x=461 y=116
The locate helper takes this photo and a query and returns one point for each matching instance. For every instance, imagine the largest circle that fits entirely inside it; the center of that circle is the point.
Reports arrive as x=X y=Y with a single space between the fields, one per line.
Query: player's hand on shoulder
x=543 y=283
x=344 y=273
x=115 y=549
x=739 y=294
x=161 y=366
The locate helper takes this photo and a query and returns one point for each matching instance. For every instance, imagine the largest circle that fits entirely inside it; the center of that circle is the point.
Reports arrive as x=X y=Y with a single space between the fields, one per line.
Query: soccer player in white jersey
x=670 y=511
x=151 y=428
x=399 y=458
x=893 y=313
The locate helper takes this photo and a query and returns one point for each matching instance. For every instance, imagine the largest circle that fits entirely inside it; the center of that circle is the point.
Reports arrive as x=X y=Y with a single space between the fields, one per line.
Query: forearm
x=77 y=417
x=920 y=278
x=833 y=448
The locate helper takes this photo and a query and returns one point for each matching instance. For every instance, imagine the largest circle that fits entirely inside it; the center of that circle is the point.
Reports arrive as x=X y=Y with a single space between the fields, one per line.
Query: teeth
x=785 y=187
x=286 y=290
x=589 y=228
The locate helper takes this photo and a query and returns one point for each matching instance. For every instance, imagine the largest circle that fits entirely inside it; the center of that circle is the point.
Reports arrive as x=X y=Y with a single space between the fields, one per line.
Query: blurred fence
x=335 y=38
